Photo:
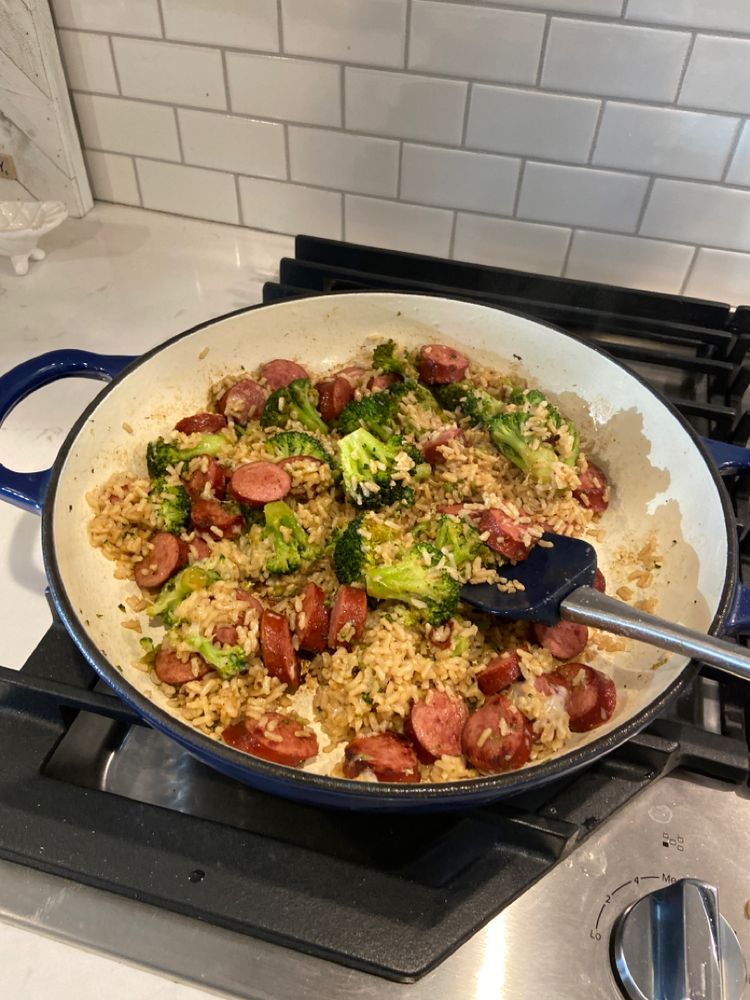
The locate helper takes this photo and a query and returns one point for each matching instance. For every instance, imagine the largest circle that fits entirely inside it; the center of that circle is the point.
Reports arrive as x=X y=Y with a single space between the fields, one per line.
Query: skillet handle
x=733 y=459
x=27 y=489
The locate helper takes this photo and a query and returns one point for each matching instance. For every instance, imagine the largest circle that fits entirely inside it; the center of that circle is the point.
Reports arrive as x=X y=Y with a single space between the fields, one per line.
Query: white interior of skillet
x=660 y=482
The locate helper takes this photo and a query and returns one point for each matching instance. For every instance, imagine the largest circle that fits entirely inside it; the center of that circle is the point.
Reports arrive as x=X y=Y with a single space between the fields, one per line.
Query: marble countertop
x=118 y=281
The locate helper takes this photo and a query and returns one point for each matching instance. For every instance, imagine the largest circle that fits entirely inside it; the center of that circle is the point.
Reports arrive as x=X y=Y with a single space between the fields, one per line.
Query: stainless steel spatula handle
x=589 y=607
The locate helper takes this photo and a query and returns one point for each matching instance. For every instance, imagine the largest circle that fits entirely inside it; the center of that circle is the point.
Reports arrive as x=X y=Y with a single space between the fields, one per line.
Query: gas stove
x=113 y=837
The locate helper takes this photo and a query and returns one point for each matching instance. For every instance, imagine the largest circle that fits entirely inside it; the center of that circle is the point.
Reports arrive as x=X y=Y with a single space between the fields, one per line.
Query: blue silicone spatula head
x=547 y=576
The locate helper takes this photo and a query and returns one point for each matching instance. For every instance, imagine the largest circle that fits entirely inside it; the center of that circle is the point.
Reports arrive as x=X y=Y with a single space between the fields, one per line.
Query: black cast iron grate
x=389 y=895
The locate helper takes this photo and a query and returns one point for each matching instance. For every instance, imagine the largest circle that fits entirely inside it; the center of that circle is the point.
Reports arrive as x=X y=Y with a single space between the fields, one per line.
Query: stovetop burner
x=89 y=793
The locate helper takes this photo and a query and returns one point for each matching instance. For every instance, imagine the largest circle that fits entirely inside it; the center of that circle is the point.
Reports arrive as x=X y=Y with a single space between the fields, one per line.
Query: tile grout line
x=162 y=23
x=407 y=33
x=280 y=26
x=690 y=269
x=452 y=240
x=467 y=111
x=240 y=210
x=399 y=169
x=543 y=51
x=114 y=65
x=341 y=203
x=179 y=136
x=732 y=152
x=595 y=136
x=685 y=65
x=225 y=76
x=568 y=250
x=644 y=206
x=517 y=195
x=342 y=96
x=133 y=160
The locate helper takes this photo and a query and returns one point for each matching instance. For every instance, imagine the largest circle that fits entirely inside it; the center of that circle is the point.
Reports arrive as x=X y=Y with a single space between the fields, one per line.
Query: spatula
x=557 y=585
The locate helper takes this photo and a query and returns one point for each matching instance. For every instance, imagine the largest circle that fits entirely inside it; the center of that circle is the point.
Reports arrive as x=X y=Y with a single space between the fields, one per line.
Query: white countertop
x=119 y=281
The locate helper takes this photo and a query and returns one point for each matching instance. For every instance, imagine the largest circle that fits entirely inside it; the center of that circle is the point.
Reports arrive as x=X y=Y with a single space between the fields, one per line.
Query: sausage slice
x=242 y=401
x=333 y=395
x=349 y=607
x=277 y=649
x=214 y=475
x=259 y=483
x=207 y=514
x=168 y=554
x=281 y=372
x=439 y=364
x=273 y=737
x=432 y=448
x=170 y=669
x=250 y=599
x=434 y=726
x=313 y=633
x=506 y=536
x=206 y=423
x=379 y=382
x=198 y=549
x=564 y=640
x=592 y=492
x=225 y=635
x=591 y=695
x=497 y=737
x=500 y=672
x=388 y=757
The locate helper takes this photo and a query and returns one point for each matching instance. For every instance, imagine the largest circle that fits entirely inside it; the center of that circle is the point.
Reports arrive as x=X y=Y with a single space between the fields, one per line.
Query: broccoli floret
x=424 y=398
x=508 y=434
x=296 y=401
x=355 y=549
x=475 y=404
x=227 y=661
x=388 y=359
x=160 y=453
x=290 y=443
x=460 y=541
x=174 y=592
x=171 y=505
x=417 y=580
x=529 y=401
x=376 y=413
x=369 y=466
x=290 y=542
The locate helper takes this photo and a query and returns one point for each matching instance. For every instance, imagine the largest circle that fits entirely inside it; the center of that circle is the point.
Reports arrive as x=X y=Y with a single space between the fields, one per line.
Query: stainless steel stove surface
x=112 y=837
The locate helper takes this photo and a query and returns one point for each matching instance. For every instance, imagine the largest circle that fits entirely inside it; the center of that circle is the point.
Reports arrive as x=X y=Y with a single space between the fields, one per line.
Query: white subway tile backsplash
x=397 y=226
x=406 y=106
x=579 y=196
x=723 y=15
x=203 y=194
x=166 y=71
x=475 y=42
x=112 y=177
x=347 y=162
x=665 y=141
x=296 y=90
x=453 y=178
x=88 y=61
x=225 y=142
x=354 y=31
x=133 y=17
x=508 y=243
x=119 y=126
x=721 y=275
x=241 y=24
x=739 y=169
x=607 y=8
x=718 y=75
x=529 y=123
x=614 y=59
x=699 y=213
x=291 y=208
x=628 y=260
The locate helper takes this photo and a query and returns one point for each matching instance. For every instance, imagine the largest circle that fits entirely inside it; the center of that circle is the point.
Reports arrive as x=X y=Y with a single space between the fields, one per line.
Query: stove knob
x=674 y=944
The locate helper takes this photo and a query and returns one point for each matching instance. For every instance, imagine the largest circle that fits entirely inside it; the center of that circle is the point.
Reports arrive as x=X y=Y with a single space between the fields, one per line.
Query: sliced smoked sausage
x=242 y=401
x=170 y=669
x=434 y=725
x=167 y=555
x=214 y=475
x=592 y=492
x=333 y=395
x=251 y=600
x=439 y=364
x=591 y=696
x=277 y=649
x=281 y=372
x=225 y=635
x=259 y=483
x=388 y=757
x=207 y=514
x=273 y=737
x=497 y=737
x=349 y=607
x=506 y=536
x=564 y=640
x=379 y=382
x=198 y=549
x=432 y=448
x=206 y=423
x=500 y=672
x=313 y=632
